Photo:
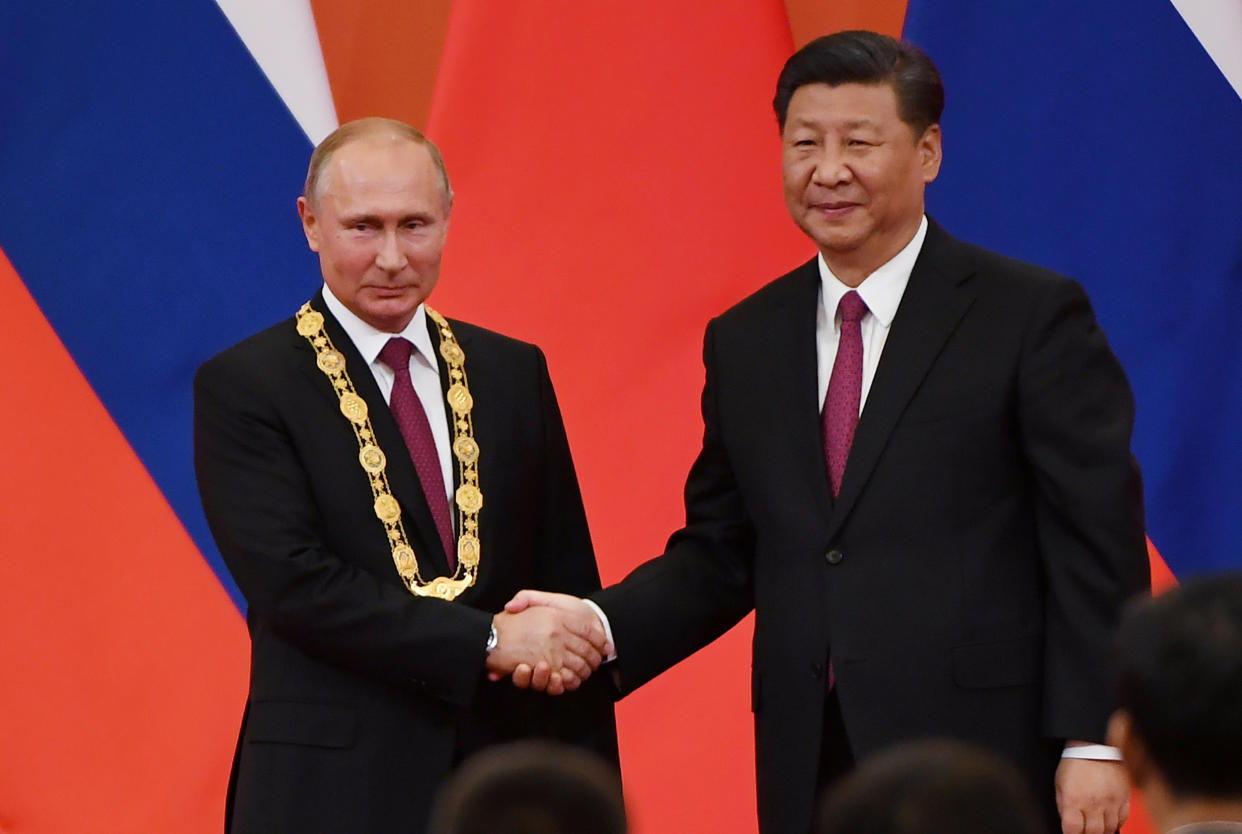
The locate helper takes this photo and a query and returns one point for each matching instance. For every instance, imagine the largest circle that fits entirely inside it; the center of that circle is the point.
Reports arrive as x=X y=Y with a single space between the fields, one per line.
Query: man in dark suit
x=1179 y=705
x=323 y=448
x=915 y=469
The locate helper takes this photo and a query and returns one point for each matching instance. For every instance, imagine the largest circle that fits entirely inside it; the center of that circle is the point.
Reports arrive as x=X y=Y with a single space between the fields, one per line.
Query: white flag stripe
x=281 y=36
x=1218 y=26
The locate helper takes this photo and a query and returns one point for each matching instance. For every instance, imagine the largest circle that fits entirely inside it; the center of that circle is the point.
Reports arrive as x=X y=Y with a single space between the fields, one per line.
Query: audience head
x=1179 y=690
x=532 y=787
x=931 y=786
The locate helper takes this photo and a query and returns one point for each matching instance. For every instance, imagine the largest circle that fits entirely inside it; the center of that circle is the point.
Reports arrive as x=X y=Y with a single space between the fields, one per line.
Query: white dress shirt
x=424 y=373
x=881 y=291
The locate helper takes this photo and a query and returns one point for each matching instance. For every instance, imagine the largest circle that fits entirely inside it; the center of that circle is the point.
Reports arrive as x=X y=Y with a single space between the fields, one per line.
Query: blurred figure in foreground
x=1179 y=694
x=934 y=786
x=532 y=787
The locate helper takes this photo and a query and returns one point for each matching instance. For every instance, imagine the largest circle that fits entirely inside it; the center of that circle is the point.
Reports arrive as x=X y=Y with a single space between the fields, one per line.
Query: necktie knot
x=396 y=354
x=852 y=307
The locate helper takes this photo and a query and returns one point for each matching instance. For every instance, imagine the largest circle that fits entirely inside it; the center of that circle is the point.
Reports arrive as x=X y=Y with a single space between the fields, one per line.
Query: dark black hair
x=1179 y=676
x=858 y=57
x=931 y=786
x=532 y=787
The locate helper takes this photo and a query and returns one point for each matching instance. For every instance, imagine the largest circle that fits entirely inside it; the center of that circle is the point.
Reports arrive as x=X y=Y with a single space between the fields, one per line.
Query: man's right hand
x=545 y=647
x=587 y=624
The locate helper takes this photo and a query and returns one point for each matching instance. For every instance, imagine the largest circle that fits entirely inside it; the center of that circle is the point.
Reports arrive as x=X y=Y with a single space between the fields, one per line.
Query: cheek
x=352 y=261
x=425 y=250
x=794 y=182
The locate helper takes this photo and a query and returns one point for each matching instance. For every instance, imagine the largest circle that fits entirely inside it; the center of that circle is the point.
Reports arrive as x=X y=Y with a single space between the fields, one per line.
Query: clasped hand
x=548 y=642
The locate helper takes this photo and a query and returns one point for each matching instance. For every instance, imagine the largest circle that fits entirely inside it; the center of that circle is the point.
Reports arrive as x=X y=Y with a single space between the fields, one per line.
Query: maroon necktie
x=844 y=389
x=412 y=420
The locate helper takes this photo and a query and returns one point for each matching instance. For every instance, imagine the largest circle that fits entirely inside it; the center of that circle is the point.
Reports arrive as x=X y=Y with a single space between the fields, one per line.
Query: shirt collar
x=881 y=291
x=370 y=341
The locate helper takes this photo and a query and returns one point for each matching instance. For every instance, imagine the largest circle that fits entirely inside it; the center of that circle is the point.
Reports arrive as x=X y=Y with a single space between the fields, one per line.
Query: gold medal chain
x=374 y=462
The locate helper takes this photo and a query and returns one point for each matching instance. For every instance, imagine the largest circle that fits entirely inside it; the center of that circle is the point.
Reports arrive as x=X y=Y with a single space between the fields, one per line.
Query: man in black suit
x=962 y=574
x=1179 y=705
x=370 y=604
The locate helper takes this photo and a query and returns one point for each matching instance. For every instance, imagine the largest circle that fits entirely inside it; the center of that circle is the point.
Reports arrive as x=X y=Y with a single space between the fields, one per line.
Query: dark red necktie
x=407 y=410
x=844 y=389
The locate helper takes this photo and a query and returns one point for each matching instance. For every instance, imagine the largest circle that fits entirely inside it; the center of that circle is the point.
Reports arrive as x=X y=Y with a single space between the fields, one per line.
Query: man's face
x=379 y=227
x=854 y=173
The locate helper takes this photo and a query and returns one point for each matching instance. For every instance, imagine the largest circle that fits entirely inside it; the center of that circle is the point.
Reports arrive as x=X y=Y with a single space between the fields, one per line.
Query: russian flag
x=617 y=172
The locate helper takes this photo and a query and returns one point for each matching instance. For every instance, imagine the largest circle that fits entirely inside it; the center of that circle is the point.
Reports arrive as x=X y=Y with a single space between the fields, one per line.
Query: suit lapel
x=402 y=476
x=792 y=336
x=935 y=300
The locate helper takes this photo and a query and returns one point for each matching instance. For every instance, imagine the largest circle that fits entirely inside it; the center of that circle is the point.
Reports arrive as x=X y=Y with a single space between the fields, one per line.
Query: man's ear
x=1121 y=735
x=310 y=223
x=930 y=153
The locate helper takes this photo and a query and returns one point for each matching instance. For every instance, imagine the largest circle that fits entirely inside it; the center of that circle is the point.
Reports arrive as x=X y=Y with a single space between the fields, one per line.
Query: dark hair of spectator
x=931 y=786
x=532 y=787
x=1179 y=676
x=858 y=57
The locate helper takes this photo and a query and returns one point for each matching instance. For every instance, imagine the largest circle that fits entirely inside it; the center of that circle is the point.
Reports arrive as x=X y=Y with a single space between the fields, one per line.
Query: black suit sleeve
x=266 y=520
x=1076 y=413
x=675 y=604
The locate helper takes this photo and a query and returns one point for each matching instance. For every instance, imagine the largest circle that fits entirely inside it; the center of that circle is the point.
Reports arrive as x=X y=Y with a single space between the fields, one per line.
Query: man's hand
x=537 y=676
x=546 y=648
x=1093 y=796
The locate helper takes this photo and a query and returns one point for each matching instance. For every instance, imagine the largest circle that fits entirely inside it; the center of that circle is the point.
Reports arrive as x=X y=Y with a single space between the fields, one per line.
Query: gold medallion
x=442 y=587
x=467 y=550
x=452 y=353
x=406 y=561
x=386 y=508
x=466 y=450
x=354 y=407
x=310 y=323
x=372 y=459
x=459 y=399
x=330 y=361
x=469 y=499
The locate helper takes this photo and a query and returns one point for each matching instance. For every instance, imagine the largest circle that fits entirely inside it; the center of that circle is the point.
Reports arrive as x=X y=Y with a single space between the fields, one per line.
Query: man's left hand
x=1093 y=796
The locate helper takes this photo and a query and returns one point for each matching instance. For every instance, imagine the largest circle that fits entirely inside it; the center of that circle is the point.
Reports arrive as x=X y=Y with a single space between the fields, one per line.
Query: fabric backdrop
x=617 y=172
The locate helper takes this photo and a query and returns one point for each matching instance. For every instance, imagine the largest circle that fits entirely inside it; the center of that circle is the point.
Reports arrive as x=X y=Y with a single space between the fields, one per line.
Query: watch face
x=492 y=639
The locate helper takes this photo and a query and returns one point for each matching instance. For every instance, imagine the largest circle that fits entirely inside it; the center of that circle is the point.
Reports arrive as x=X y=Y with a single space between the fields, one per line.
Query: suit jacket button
x=834 y=556
x=817 y=671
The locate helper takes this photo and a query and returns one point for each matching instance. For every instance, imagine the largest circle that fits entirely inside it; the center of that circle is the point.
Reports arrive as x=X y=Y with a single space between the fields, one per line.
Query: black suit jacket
x=966 y=580
x=362 y=696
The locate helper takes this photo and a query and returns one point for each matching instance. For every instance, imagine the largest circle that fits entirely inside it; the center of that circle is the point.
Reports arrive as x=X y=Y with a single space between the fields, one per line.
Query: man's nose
x=390 y=258
x=831 y=167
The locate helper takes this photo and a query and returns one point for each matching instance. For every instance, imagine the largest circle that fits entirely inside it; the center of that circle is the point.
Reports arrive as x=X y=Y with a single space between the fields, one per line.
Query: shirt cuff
x=1099 y=752
x=603 y=618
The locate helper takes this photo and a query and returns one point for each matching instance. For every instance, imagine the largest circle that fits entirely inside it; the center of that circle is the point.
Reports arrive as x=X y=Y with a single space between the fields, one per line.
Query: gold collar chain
x=374 y=462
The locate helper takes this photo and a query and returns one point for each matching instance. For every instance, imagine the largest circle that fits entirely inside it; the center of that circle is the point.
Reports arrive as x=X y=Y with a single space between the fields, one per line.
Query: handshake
x=547 y=642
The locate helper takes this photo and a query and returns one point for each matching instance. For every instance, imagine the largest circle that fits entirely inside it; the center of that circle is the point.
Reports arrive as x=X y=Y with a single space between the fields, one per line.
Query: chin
x=389 y=318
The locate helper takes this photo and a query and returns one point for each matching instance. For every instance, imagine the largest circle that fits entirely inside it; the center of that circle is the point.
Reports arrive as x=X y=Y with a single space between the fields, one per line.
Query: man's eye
x=804 y=143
